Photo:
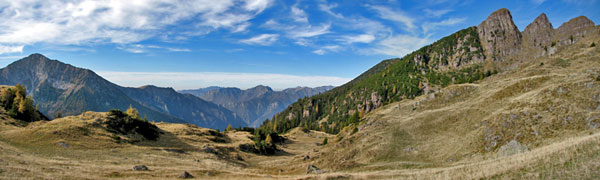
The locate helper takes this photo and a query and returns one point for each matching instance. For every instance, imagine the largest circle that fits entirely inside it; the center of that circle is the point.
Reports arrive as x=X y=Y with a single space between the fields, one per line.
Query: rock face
x=539 y=33
x=499 y=36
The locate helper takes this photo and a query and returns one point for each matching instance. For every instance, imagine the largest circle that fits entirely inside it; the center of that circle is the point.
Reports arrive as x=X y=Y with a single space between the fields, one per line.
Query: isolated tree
x=58 y=115
x=132 y=112
x=229 y=128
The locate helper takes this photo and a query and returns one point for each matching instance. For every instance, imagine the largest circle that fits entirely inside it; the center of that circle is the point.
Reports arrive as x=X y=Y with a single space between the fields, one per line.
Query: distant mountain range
x=59 y=87
x=256 y=104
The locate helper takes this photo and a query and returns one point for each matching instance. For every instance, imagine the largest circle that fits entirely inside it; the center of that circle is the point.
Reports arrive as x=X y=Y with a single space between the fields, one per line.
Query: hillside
x=256 y=104
x=58 y=87
x=469 y=55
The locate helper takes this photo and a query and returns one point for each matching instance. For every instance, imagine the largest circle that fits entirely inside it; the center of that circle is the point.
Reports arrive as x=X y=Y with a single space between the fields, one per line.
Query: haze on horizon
x=244 y=43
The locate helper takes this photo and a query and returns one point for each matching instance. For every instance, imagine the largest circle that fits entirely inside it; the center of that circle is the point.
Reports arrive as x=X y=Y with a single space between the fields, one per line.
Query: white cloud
x=179 y=80
x=10 y=49
x=363 y=38
x=122 y=22
x=328 y=48
x=437 y=13
x=299 y=15
x=327 y=8
x=400 y=45
x=263 y=39
x=310 y=31
x=397 y=16
x=448 y=22
x=319 y=51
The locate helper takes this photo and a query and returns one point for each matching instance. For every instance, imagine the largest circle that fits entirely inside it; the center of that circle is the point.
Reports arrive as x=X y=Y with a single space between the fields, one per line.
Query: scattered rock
x=140 y=168
x=311 y=169
x=511 y=148
x=307 y=157
x=209 y=149
x=185 y=175
x=65 y=145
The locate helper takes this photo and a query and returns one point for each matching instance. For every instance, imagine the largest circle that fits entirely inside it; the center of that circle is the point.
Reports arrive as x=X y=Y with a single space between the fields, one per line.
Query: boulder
x=185 y=175
x=511 y=148
x=140 y=168
x=311 y=169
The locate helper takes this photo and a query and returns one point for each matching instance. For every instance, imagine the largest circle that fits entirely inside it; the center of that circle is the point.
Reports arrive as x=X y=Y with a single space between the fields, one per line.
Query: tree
x=133 y=113
x=229 y=128
x=269 y=140
x=58 y=115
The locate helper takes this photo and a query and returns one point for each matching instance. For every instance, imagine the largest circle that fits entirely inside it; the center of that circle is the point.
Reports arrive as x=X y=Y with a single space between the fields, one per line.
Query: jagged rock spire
x=540 y=32
x=499 y=35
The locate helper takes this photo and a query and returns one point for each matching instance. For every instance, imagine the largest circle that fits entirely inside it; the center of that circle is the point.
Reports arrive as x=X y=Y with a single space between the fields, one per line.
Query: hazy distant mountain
x=58 y=87
x=256 y=104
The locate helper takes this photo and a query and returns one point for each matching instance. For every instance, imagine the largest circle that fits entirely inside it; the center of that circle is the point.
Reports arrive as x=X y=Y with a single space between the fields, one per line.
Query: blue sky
x=243 y=43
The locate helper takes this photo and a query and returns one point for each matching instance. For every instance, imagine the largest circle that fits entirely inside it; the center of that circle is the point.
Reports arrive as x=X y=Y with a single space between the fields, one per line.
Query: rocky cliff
x=499 y=35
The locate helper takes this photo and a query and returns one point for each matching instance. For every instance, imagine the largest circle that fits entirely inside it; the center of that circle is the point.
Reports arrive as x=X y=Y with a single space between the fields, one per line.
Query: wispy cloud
x=263 y=39
x=447 y=22
x=362 y=38
x=299 y=15
x=396 y=16
x=10 y=49
x=139 y=48
x=400 y=45
x=437 y=13
x=179 y=80
x=328 y=48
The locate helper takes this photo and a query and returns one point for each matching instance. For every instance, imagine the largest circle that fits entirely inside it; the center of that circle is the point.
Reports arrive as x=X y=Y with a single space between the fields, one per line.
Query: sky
x=191 y=44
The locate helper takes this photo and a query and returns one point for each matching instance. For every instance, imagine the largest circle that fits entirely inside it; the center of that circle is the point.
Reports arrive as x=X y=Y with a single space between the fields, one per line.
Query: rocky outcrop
x=499 y=36
x=574 y=30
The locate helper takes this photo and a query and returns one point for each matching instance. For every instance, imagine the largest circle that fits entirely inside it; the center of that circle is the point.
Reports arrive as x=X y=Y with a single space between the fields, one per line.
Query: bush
x=324 y=141
x=593 y=44
x=119 y=122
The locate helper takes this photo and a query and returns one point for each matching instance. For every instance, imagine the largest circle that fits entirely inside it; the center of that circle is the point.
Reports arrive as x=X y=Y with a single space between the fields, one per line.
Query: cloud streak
x=263 y=39
x=190 y=80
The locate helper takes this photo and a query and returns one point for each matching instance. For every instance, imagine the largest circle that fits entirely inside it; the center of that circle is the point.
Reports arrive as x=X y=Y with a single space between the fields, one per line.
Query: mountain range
x=256 y=104
x=61 y=88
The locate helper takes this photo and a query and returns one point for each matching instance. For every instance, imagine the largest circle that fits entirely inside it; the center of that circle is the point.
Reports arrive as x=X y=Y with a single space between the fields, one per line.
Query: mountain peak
x=261 y=88
x=540 y=32
x=499 y=35
x=575 y=24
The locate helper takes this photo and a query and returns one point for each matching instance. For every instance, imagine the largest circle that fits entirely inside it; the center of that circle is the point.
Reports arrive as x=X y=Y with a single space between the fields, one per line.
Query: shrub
x=119 y=122
x=593 y=44
x=324 y=141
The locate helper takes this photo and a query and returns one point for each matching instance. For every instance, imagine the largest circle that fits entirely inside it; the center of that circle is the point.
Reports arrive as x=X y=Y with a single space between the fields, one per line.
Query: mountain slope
x=466 y=56
x=58 y=87
x=256 y=104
